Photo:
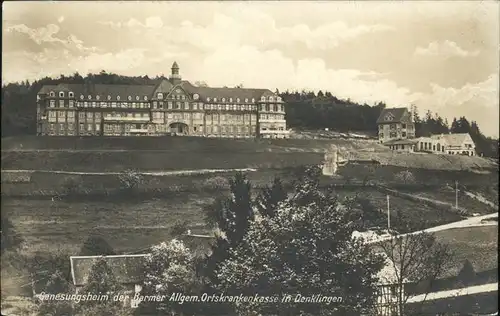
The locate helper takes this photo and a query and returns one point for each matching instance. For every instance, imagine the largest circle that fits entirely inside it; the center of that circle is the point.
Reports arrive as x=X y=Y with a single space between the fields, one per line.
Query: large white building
x=451 y=144
x=172 y=106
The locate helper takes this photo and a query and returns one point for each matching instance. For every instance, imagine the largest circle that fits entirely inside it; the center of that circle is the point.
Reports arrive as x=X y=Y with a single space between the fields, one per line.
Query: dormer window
x=160 y=95
x=71 y=94
x=253 y=100
x=61 y=94
x=118 y=97
x=237 y=100
x=145 y=98
x=263 y=98
x=230 y=99
x=278 y=98
x=246 y=100
x=208 y=99
x=137 y=98
x=223 y=99
x=196 y=96
x=215 y=99
x=52 y=94
x=271 y=98
x=109 y=97
x=81 y=97
x=89 y=97
x=97 y=97
x=389 y=117
x=129 y=98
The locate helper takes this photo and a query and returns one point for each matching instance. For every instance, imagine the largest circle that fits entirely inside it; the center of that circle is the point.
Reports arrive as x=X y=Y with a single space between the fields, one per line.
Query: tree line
x=304 y=110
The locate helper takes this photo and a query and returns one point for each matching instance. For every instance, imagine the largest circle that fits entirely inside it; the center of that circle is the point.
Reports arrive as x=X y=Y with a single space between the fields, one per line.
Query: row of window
x=230 y=117
x=71 y=126
x=271 y=116
x=160 y=96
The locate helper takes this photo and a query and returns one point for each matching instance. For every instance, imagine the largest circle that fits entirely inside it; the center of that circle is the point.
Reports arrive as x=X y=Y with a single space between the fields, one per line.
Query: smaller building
x=402 y=145
x=394 y=124
x=128 y=270
x=451 y=144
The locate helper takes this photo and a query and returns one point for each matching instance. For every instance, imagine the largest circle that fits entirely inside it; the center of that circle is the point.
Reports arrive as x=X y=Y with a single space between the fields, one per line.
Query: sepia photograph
x=250 y=158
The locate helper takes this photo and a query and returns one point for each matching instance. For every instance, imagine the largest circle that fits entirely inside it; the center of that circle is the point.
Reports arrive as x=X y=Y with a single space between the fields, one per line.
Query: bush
x=130 y=180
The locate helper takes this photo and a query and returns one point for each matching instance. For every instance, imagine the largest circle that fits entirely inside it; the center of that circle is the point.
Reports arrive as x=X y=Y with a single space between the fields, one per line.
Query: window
x=196 y=96
x=253 y=100
x=246 y=100
x=403 y=134
x=97 y=127
x=393 y=126
x=275 y=108
x=183 y=97
x=403 y=125
x=113 y=104
x=94 y=104
x=230 y=99
x=223 y=99
x=52 y=103
x=215 y=99
x=238 y=100
x=129 y=98
x=89 y=97
x=263 y=98
x=186 y=106
x=71 y=103
x=160 y=95
x=81 y=96
x=61 y=103
x=208 y=99
x=267 y=107
x=97 y=97
x=118 y=98
x=71 y=94
x=98 y=116
x=52 y=94
x=137 y=98
x=61 y=94
x=195 y=106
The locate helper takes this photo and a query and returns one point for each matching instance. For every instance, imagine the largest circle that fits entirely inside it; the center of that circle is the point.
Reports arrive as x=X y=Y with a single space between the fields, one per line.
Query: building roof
x=150 y=91
x=401 y=142
x=393 y=115
x=219 y=93
x=175 y=65
x=126 y=268
x=453 y=140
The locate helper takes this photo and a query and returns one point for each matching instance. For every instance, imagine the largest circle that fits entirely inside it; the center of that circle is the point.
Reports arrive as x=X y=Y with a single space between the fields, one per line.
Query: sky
x=441 y=56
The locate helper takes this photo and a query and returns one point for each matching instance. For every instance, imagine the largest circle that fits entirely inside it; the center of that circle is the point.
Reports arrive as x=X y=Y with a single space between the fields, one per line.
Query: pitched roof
x=401 y=142
x=219 y=93
x=126 y=268
x=453 y=140
x=165 y=86
x=392 y=115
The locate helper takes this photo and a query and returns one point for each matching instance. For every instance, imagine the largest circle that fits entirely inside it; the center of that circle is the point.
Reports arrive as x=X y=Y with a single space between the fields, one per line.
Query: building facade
x=451 y=144
x=395 y=124
x=171 y=107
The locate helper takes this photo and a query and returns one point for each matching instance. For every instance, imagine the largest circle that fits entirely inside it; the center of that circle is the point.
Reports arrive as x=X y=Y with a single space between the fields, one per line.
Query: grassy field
x=52 y=226
x=479 y=245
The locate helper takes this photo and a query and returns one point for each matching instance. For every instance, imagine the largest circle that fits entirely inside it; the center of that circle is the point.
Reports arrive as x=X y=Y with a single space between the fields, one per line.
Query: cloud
x=446 y=48
x=47 y=35
x=251 y=27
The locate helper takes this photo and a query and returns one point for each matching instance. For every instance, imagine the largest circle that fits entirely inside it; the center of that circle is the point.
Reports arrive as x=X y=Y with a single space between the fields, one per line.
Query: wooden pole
x=388 y=214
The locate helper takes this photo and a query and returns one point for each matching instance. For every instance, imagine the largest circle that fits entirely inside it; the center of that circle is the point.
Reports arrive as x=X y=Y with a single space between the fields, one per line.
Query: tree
x=269 y=197
x=11 y=240
x=57 y=284
x=169 y=268
x=405 y=177
x=415 y=258
x=370 y=215
x=101 y=281
x=96 y=246
x=305 y=248
x=130 y=180
x=232 y=217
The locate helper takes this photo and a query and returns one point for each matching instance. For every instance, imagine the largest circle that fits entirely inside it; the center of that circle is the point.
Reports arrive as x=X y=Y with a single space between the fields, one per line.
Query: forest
x=304 y=110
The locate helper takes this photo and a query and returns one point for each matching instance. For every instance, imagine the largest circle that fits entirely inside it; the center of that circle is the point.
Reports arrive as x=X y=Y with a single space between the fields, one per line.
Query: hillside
x=181 y=153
